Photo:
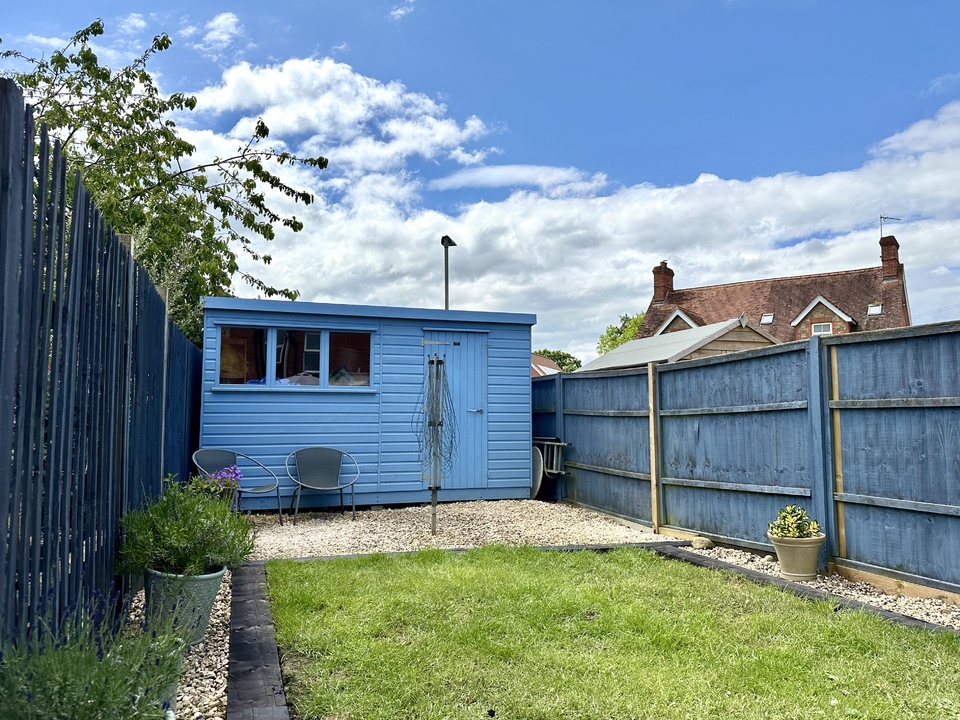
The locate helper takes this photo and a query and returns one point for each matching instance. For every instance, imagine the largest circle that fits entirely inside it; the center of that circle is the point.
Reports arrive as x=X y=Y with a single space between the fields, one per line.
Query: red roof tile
x=851 y=291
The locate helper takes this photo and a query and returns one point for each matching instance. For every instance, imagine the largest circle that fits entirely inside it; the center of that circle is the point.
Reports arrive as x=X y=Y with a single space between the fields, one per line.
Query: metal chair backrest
x=211 y=460
x=319 y=467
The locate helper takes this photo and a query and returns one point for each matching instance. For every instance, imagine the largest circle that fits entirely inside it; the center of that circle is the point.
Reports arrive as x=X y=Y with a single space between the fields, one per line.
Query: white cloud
x=564 y=244
x=39 y=41
x=941 y=132
x=131 y=24
x=943 y=84
x=222 y=32
x=550 y=180
x=115 y=55
x=399 y=12
x=363 y=125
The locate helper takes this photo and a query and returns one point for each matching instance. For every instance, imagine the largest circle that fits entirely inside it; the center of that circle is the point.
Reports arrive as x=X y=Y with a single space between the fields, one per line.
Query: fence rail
x=861 y=429
x=82 y=414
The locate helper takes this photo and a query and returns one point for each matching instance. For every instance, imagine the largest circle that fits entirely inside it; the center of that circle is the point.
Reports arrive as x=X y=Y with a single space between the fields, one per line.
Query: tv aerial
x=886 y=217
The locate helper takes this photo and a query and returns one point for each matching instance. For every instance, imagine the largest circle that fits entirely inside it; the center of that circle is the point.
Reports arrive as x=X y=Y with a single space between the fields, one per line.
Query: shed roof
x=367 y=311
x=667 y=347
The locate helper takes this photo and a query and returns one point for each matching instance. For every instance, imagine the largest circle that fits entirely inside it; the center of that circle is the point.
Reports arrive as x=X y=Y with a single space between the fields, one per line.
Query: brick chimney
x=890 y=258
x=663 y=282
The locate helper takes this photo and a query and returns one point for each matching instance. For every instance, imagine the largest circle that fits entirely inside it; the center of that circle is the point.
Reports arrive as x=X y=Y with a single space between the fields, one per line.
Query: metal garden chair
x=318 y=468
x=212 y=460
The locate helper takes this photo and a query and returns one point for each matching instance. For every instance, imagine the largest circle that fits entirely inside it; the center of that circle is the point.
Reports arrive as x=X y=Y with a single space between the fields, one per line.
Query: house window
x=766 y=319
x=308 y=357
x=821 y=329
x=875 y=309
x=311 y=353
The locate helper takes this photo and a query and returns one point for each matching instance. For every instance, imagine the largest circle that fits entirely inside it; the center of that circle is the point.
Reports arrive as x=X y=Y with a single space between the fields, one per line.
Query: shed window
x=822 y=329
x=766 y=319
x=349 y=362
x=298 y=357
x=243 y=355
x=325 y=358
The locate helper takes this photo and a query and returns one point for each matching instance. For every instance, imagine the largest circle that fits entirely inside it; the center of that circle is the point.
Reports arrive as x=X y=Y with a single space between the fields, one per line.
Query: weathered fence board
x=73 y=387
x=863 y=430
x=897 y=452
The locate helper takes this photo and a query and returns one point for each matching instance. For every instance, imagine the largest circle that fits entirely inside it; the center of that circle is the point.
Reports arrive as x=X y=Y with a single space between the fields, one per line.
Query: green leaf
x=190 y=216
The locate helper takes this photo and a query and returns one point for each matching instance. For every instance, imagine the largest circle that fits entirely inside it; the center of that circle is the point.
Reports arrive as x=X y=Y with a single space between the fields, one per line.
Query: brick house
x=789 y=308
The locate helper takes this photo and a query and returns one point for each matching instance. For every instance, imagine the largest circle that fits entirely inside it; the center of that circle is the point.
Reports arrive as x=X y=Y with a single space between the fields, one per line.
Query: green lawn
x=526 y=633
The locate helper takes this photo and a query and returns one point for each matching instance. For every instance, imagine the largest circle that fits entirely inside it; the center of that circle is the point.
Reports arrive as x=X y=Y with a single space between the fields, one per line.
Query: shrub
x=185 y=531
x=793 y=522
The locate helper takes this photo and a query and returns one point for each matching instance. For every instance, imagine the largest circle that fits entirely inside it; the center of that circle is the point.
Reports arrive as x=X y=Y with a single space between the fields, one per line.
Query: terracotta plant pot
x=798 y=556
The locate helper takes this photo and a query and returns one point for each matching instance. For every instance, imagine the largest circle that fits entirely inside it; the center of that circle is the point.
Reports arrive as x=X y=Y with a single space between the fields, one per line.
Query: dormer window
x=821 y=329
x=874 y=309
x=766 y=319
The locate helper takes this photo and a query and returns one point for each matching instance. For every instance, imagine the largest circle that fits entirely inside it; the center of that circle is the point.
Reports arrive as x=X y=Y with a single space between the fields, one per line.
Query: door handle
x=478 y=410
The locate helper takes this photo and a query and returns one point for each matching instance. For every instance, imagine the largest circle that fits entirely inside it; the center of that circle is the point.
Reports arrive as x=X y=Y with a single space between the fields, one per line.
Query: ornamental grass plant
x=186 y=531
x=522 y=633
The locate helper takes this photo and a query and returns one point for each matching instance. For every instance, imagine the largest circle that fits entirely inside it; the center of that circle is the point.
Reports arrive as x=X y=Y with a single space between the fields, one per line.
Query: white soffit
x=820 y=299
x=678 y=313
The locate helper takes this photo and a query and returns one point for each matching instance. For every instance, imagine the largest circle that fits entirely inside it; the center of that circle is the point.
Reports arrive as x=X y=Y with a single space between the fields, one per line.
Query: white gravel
x=202 y=692
x=459 y=525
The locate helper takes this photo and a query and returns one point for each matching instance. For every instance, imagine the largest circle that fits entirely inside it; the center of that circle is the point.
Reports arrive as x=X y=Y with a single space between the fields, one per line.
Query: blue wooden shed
x=280 y=375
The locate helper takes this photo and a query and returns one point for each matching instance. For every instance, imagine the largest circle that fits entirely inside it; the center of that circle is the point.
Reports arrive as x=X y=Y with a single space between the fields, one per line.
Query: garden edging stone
x=254 y=684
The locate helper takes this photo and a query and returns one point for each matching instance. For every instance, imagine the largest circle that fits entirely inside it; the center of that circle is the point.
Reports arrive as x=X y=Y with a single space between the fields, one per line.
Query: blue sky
x=569 y=147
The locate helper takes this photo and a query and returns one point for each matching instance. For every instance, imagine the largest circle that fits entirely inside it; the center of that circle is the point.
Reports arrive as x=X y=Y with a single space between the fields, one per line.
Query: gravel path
x=459 y=525
x=462 y=525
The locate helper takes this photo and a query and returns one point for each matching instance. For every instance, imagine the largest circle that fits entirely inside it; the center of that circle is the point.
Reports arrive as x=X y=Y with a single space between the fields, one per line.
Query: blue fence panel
x=896 y=415
x=605 y=421
x=735 y=442
x=863 y=430
x=545 y=401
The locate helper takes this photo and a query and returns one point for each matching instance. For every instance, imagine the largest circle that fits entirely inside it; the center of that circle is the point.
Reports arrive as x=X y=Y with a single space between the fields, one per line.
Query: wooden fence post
x=837 y=474
x=167 y=322
x=127 y=240
x=654 y=427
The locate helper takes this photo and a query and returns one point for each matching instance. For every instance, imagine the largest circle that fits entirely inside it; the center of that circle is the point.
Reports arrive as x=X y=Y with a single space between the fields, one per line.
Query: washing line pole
x=435 y=431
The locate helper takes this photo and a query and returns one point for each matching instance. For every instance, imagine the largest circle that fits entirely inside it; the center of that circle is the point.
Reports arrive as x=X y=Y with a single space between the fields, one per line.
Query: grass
x=525 y=633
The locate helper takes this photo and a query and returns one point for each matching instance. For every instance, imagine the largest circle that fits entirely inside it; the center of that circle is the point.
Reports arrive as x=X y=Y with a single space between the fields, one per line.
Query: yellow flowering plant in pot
x=797 y=539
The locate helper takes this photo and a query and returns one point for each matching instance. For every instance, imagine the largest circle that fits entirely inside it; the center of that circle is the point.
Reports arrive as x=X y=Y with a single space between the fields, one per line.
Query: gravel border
x=203 y=689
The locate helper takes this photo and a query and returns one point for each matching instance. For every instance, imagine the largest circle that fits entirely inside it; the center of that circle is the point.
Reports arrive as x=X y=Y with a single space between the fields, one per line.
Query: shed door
x=466 y=370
